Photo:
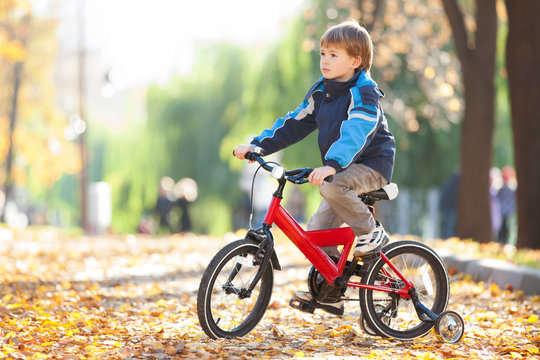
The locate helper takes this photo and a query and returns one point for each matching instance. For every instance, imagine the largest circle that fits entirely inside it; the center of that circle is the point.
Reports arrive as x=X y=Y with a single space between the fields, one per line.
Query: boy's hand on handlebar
x=241 y=150
x=319 y=174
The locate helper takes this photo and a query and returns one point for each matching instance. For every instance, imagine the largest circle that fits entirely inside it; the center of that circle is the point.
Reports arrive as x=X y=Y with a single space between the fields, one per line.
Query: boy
x=355 y=143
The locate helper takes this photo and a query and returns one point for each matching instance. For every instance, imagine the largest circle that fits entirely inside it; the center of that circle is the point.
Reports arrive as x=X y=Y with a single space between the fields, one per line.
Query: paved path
x=500 y=272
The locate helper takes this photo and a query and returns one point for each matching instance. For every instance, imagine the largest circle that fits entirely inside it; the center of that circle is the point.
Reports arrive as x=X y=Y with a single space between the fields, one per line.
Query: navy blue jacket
x=351 y=123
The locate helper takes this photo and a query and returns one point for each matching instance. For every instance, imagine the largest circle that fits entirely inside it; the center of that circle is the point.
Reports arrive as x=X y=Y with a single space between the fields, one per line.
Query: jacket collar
x=336 y=88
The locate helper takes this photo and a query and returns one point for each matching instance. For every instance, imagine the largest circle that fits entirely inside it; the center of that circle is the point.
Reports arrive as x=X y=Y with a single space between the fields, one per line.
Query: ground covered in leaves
x=134 y=297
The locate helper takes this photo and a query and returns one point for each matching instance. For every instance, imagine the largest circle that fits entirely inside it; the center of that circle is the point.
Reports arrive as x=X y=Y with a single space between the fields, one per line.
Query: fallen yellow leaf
x=531 y=349
x=91 y=348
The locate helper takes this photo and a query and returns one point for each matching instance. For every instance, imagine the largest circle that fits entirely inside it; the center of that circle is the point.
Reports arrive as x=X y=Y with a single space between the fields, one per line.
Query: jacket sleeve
x=291 y=128
x=357 y=131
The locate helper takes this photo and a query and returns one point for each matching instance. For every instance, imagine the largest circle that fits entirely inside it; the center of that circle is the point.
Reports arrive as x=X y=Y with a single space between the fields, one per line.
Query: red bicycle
x=403 y=290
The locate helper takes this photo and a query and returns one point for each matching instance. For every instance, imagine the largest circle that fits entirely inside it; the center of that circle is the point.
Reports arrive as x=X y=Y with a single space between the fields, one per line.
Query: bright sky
x=150 y=39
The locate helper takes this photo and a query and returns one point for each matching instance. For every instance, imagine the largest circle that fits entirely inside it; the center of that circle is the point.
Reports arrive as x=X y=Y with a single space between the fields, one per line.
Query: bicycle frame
x=310 y=243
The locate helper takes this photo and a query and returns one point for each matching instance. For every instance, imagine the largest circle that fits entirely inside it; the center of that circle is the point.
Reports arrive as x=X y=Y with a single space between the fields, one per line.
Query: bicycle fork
x=262 y=257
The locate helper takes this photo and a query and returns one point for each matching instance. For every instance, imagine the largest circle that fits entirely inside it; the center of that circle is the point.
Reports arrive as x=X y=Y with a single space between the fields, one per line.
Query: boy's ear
x=357 y=62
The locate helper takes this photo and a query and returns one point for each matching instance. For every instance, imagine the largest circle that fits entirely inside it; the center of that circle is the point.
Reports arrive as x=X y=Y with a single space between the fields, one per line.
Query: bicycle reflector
x=277 y=172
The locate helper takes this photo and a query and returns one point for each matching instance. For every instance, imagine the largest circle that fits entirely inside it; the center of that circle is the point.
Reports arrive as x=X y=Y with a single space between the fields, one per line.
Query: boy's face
x=337 y=64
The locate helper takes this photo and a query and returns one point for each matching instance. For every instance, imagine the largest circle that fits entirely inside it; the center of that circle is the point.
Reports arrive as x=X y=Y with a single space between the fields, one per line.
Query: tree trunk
x=478 y=66
x=8 y=185
x=377 y=14
x=22 y=31
x=522 y=64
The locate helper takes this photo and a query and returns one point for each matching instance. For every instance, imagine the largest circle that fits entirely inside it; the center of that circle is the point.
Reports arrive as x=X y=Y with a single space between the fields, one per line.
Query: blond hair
x=354 y=38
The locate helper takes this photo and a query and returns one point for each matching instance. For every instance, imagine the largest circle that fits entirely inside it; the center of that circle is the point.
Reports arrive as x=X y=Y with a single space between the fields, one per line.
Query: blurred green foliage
x=233 y=93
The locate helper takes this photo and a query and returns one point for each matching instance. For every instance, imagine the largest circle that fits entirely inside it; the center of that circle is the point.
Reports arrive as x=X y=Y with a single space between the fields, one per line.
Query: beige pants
x=341 y=204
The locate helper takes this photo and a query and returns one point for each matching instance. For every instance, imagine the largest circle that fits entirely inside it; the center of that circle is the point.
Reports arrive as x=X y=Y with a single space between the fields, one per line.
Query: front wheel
x=388 y=314
x=223 y=308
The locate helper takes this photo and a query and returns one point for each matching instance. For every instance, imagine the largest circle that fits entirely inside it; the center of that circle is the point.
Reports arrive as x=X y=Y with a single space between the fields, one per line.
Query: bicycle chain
x=352 y=299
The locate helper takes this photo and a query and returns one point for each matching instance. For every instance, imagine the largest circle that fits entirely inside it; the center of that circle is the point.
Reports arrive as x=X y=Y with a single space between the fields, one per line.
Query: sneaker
x=371 y=242
x=335 y=308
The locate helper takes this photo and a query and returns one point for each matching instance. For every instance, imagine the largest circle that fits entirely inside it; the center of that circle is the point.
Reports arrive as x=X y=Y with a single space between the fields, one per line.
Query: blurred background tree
x=33 y=153
x=475 y=46
x=522 y=59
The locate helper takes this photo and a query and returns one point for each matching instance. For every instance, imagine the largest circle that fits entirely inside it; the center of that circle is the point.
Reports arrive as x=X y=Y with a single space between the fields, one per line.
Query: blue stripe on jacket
x=355 y=131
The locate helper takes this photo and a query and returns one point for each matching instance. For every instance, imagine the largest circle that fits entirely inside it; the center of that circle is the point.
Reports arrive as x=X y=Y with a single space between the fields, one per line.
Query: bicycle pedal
x=301 y=305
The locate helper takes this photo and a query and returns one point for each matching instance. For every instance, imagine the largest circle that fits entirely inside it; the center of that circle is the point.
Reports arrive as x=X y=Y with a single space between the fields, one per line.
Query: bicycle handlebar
x=296 y=176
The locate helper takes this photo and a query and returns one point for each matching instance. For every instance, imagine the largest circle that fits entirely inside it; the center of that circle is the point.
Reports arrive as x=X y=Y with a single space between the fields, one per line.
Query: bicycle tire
x=399 y=319
x=221 y=311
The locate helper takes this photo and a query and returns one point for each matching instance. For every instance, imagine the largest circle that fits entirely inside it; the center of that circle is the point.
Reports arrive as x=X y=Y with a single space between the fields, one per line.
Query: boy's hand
x=241 y=150
x=319 y=174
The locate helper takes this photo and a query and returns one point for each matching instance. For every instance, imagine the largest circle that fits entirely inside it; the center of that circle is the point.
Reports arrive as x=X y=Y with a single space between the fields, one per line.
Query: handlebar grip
x=303 y=179
x=250 y=156
x=329 y=178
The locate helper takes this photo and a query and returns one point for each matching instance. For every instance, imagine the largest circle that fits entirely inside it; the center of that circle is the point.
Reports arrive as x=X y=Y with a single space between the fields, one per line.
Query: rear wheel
x=388 y=314
x=365 y=327
x=223 y=307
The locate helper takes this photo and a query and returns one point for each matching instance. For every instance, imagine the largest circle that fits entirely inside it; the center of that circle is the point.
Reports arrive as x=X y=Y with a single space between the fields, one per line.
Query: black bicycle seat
x=387 y=192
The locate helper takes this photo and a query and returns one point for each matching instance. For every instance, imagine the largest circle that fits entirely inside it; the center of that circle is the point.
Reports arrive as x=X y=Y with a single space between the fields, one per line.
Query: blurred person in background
x=165 y=203
x=448 y=205
x=507 y=202
x=185 y=193
x=495 y=184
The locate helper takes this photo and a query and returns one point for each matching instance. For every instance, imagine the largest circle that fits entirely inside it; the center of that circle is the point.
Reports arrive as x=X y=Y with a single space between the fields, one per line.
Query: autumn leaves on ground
x=134 y=297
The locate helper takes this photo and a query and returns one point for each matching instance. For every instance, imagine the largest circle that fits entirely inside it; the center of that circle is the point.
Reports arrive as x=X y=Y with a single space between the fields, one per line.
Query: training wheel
x=450 y=326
